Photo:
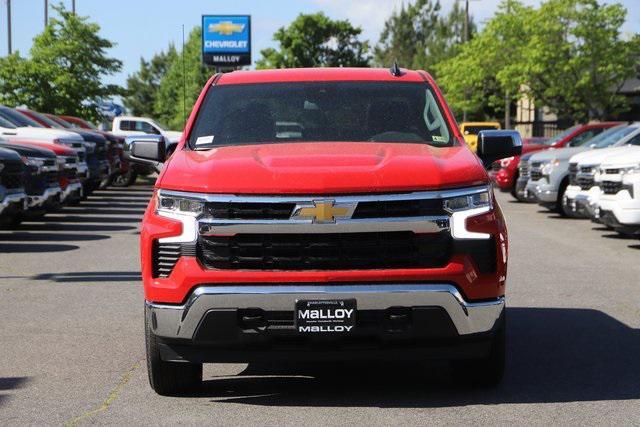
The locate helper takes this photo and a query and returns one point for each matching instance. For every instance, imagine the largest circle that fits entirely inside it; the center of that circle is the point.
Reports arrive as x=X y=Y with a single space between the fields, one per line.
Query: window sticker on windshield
x=204 y=140
x=437 y=138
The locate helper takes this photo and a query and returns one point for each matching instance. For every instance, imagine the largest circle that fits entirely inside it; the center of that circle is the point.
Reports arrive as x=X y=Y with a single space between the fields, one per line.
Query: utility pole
x=73 y=6
x=9 y=27
x=466 y=39
x=46 y=13
x=507 y=96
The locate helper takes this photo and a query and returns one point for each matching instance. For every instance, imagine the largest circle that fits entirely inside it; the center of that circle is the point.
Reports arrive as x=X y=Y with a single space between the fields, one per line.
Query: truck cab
x=131 y=125
x=364 y=227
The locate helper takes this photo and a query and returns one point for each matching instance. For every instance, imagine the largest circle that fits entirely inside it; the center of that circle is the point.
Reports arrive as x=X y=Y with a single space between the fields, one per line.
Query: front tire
x=485 y=372
x=168 y=378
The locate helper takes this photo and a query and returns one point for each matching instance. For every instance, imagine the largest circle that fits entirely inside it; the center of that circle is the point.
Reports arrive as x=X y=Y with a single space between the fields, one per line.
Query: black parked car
x=13 y=198
x=41 y=179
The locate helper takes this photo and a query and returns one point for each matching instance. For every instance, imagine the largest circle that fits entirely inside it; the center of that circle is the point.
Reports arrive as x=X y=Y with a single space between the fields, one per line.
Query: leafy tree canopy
x=142 y=86
x=420 y=35
x=66 y=69
x=568 y=55
x=314 y=40
x=170 y=97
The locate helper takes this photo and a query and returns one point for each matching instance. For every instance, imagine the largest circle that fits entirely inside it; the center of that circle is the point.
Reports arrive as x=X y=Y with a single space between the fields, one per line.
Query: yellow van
x=470 y=131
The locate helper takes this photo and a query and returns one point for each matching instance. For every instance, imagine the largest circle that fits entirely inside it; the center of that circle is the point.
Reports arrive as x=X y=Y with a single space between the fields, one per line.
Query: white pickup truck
x=131 y=125
x=618 y=180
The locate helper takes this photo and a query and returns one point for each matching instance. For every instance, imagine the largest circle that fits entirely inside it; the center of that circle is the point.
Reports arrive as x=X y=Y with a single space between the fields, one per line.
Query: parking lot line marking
x=113 y=395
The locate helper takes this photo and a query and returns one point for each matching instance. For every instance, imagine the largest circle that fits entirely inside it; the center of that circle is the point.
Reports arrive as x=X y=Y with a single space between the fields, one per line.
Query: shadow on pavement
x=10 y=383
x=555 y=355
x=55 y=237
x=91 y=276
x=52 y=226
x=34 y=248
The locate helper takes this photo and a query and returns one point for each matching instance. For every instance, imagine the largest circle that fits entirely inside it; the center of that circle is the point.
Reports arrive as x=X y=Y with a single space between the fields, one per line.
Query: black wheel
x=488 y=371
x=561 y=207
x=514 y=193
x=125 y=179
x=168 y=378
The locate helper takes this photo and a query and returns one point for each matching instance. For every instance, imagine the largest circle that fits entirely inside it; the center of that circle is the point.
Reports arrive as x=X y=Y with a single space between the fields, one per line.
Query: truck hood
x=627 y=156
x=322 y=167
x=562 y=154
x=595 y=157
x=38 y=134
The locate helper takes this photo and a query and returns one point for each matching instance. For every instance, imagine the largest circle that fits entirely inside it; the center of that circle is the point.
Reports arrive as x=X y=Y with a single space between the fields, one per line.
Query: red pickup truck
x=323 y=214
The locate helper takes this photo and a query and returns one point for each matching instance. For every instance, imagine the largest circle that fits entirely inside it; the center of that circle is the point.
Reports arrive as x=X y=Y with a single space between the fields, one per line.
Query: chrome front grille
x=611 y=187
x=324 y=232
x=573 y=172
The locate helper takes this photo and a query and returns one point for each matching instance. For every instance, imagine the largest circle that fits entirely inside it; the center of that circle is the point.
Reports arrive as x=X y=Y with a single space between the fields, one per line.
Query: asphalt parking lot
x=72 y=344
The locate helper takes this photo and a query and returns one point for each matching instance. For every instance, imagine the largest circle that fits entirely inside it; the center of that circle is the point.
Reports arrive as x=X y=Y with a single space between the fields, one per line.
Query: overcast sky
x=142 y=27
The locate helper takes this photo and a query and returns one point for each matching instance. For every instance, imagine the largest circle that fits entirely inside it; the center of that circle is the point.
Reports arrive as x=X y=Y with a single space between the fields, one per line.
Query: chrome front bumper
x=181 y=321
x=11 y=198
x=74 y=187
x=38 y=201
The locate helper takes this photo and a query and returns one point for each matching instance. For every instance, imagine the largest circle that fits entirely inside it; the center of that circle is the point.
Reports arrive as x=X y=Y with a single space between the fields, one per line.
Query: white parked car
x=618 y=181
x=11 y=132
x=584 y=165
x=130 y=125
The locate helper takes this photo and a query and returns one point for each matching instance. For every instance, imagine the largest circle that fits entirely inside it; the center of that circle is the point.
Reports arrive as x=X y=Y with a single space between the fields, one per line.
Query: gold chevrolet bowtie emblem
x=323 y=211
x=226 y=28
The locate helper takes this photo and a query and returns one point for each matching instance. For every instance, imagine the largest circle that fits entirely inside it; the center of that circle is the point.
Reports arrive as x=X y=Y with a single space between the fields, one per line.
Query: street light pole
x=9 y=26
x=73 y=6
x=507 y=95
x=466 y=39
x=46 y=13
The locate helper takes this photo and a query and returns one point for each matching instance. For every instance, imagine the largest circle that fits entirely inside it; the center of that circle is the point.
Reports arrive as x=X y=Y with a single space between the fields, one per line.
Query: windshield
x=320 y=111
x=6 y=123
x=561 y=135
x=47 y=120
x=18 y=118
x=610 y=136
x=60 y=121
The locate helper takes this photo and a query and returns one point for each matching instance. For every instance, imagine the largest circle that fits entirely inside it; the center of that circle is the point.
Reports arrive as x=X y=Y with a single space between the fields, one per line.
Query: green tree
x=170 y=97
x=66 y=69
x=486 y=68
x=421 y=36
x=314 y=40
x=142 y=86
x=576 y=59
x=568 y=55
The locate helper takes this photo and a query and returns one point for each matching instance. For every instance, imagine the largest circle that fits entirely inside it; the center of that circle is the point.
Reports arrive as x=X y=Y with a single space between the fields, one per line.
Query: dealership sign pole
x=226 y=40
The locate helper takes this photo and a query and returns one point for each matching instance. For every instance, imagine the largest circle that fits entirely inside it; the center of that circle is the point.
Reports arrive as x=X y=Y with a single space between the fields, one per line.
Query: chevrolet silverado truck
x=13 y=199
x=549 y=170
x=618 y=205
x=583 y=167
x=70 y=177
x=41 y=180
x=96 y=149
x=369 y=232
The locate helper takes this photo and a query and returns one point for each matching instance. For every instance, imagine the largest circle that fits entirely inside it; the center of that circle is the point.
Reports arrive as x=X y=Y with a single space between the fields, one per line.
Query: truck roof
x=318 y=74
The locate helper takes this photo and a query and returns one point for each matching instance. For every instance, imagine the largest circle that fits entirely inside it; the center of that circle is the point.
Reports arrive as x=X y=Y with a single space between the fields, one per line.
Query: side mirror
x=145 y=149
x=498 y=144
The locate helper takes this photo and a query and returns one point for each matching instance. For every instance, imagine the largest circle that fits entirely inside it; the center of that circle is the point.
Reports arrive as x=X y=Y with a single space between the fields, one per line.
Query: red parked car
x=505 y=172
x=323 y=214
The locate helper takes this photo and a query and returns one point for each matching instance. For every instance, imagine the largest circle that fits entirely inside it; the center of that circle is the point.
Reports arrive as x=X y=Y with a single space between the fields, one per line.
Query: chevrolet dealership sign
x=226 y=40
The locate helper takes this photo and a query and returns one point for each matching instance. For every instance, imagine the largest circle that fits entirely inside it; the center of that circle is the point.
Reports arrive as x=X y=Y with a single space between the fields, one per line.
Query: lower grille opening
x=165 y=256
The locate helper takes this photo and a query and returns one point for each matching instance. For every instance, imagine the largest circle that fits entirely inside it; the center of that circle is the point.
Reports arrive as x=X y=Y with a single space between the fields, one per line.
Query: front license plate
x=325 y=316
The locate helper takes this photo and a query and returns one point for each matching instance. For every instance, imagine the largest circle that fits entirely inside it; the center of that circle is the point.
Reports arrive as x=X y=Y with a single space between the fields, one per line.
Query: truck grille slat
x=325 y=251
x=611 y=187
